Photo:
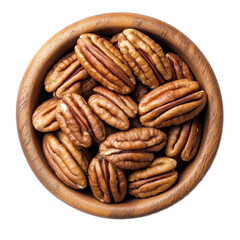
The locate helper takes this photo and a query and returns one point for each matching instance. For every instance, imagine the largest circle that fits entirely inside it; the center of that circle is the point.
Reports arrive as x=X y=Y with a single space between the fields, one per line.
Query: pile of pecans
x=121 y=117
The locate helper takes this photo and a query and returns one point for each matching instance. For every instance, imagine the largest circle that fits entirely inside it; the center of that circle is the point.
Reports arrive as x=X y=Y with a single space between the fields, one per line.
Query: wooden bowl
x=32 y=88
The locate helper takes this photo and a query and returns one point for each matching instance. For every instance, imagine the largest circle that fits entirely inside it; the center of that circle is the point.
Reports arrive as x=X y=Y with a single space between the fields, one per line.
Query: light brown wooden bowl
x=31 y=90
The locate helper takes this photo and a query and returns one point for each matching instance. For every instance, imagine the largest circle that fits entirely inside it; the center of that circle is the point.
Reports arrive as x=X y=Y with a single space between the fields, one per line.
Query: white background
x=29 y=211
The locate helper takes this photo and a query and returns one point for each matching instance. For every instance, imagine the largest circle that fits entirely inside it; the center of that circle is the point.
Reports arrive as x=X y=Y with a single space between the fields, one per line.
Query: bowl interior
x=31 y=94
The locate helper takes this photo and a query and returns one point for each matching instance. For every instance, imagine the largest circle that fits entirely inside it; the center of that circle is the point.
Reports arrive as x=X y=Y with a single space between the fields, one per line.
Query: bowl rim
x=197 y=62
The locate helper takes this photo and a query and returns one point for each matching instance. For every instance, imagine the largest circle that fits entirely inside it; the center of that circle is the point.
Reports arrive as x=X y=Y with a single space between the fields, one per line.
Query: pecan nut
x=87 y=86
x=180 y=68
x=69 y=163
x=139 y=92
x=65 y=76
x=184 y=139
x=105 y=63
x=44 y=117
x=108 y=182
x=172 y=103
x=145 y=57
x=78 y=121
x=134 y=148
x=113 y=108
x=154 y=179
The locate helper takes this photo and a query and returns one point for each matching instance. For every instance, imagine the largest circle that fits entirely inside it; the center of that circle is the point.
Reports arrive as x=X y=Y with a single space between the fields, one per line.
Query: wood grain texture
x=29 y=97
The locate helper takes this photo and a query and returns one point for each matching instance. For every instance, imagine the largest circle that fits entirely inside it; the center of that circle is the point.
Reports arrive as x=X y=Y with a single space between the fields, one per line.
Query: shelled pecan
x=78 y=121
x=87 y=86
x=184 y=139
x=108 y=182
x=105 y=63
x=145 y=57
x=132 y=149
x=172 y=103
x=44 y=117
x=69 y=163
x=139 y=92
x=113 y=108
x=180 y=68
x=65 y=76
x=159 y=176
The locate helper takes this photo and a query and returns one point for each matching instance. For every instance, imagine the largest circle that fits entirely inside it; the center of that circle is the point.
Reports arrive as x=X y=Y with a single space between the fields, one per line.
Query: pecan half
x=154 y=179
x=105 y=63
x=108 y=183
x=69 y=163
x=78 y=121
x=44 y=117
x=65 y=76
x=184 y=139
x=180 y=68
x=87 y=86
x=145 y=57
x=139 y=92
x=172 y=103
x=134 y=148
x=113 y=108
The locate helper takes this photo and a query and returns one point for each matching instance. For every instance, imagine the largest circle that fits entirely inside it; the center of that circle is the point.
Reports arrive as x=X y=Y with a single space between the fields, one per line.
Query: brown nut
x=184 y=139
x=145 y=57
x=44 y=117
x=105 y=63
x=78 y=121
x=134 y=148
x=180 y=68
x=65 y=76
x=154 y=179
x=69 y=163
x=87 y=86
x=139 y=92
x=113 y=108
x=172 y=103
x=108 y=183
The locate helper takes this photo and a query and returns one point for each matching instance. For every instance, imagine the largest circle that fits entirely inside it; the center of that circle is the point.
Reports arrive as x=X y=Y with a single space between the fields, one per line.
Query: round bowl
x=31 y=91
